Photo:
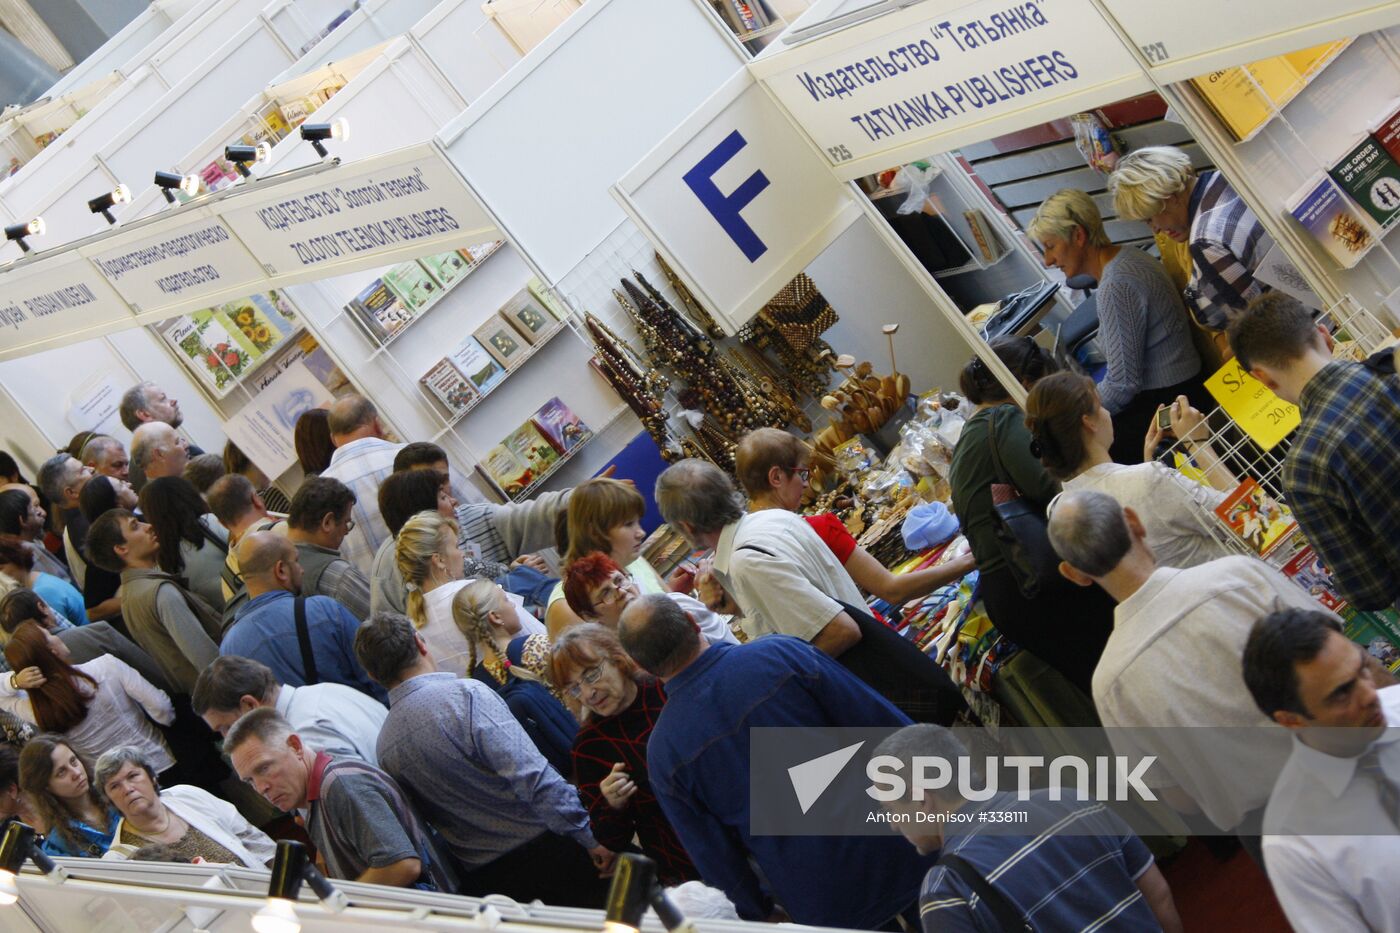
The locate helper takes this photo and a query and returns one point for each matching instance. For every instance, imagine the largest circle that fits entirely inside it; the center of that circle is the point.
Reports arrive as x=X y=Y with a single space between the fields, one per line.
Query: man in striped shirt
x=1085 y=870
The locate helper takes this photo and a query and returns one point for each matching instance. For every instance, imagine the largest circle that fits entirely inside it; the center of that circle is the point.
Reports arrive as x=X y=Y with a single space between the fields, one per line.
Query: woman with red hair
x=96 y=705
x=597 y=589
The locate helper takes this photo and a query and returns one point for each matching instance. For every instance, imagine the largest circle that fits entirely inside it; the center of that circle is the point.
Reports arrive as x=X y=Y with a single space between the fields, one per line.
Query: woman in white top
x=1072 y=434
x=431 y=562
x=94 y=705
x=194 y=824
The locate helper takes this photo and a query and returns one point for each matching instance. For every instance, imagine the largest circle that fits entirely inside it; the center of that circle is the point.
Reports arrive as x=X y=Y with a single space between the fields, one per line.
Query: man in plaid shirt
x=1342 y=474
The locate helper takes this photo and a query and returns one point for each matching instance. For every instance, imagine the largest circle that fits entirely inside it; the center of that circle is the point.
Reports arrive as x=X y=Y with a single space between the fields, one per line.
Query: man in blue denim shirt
x=265 y=627
x=698 y=759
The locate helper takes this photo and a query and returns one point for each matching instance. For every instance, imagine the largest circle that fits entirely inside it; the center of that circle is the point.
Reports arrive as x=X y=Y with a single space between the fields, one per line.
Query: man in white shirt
x=1173 y=661
x=341 y=721
x=1332 y=826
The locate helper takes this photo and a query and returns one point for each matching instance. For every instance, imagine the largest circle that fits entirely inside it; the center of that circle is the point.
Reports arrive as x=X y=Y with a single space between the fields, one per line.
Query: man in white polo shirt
x=340 y=720
x=786 y=581
x=1332 y=827
x=1173 y=661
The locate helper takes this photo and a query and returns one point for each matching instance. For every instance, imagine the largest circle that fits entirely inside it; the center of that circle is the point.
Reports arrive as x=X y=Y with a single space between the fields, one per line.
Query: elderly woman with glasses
x=195 y=824
x=597 y=589
x=610 y=752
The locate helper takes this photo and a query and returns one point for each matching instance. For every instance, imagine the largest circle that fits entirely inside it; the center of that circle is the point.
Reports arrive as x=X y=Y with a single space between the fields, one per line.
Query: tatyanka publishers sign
x=908 y=78
x=51 y=300
x=183 y=265
x=408 y=201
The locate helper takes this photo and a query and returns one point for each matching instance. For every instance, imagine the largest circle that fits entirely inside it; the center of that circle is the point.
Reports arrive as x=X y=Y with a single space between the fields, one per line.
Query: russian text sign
x=199 y=263
x=48 y=300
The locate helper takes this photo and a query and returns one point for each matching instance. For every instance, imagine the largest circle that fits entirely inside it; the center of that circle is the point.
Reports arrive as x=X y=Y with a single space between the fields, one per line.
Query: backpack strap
x=1008 y=916
x=308 y=657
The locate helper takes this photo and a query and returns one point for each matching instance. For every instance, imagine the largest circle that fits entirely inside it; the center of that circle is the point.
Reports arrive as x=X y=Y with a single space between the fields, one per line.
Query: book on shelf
x=1322 y=210
x=206 y=344
x=450 y=386
x=477 y=252
x=1258 y=520
x=501 y=341
x=261 y=319
x=530 y=320
x=546 y=297
x=742 y=16
x=507 y=470
x=1386 y=130
x=1247 y=97
x=982 y=235
x=1308 y=571
x=532 y=448
x=295 y=112
x=446 y=268
x=480 y=367
x=1371 y=178
x=415 y=288
x=1378 y=633
x=560 y=426
x=378 y=309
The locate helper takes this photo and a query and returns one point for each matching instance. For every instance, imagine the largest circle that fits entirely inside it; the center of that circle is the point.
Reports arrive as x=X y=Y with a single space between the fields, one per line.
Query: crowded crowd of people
x=439 y=692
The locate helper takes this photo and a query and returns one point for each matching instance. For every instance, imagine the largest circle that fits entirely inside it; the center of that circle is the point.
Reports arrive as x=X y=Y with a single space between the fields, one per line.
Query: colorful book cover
x=1307 y=62
x=480 y=368
x=532 y=321
x=560 y=426
x=218 y=175
x=1308 y=571
x=413 y=285
x=257 y=319
x=1342 y=233
x=1257 y=519
x=1387 y=131
x=1378 y=634
x=532 y=449
x=446 y=268
x=295 y=112
x=209 y=350
x=1371 y=178
x=507 y=470
x=501 y=341
x=450 y=387
x=545 y=296
x=379 y=310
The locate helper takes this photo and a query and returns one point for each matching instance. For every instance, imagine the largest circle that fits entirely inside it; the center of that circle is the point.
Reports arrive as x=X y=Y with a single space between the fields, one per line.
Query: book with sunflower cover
x=259 y=322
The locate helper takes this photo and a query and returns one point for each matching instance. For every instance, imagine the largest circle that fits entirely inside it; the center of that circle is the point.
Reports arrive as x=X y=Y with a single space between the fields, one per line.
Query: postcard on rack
x=1260 y=521
x=501 y=340
x=480 y=368
x=560 y=426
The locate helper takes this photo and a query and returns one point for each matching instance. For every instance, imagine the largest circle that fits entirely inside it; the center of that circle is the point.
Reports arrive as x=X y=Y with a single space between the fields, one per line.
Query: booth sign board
x=45 y=304
x=737 y=201
x=409 y=202
x=919 y=82
x=314 y=223
x=1200 y=36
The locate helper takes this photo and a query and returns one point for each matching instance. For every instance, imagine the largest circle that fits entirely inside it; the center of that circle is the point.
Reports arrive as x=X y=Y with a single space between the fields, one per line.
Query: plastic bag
x=920 y=181
x=1094 y=143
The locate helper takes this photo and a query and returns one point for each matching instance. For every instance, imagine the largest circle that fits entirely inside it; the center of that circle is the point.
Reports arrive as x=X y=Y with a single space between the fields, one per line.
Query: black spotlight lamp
x=16 y=845
x=243 y=156
x=317 y=133
x=103 y=203
x=18 y=232
x=169 y=183
x=634 y=889
x=290 y=868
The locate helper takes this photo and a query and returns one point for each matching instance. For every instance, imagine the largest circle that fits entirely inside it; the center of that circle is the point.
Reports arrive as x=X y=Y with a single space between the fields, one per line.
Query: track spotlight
x=103 y=203
x=18 y=232
x=290 y=868
x=243 y=156
x=634 y=889
x=317 y=133
x=168 y=182
x=16 y=845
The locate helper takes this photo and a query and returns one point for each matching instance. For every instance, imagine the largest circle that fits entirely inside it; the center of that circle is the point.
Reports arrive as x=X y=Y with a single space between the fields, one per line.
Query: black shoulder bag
x=308 y=657
x=1021 y=530
x=1008 y=917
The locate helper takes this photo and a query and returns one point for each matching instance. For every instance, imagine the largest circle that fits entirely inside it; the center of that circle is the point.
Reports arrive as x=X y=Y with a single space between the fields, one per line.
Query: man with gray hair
x=1076 y=867
x=157 y=450
x=786 y=581
x=62 y=479
x=1173 y=661
x=700 y=768
x=107 y=456
x=146 y=402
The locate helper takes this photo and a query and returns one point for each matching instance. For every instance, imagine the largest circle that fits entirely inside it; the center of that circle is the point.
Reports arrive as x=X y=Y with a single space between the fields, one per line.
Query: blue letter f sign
x=726 y=208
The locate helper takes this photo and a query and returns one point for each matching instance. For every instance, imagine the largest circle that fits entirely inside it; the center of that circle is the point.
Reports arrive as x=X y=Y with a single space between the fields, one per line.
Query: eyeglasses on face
x=612 y=591
x=804 y=472
x=587 y=678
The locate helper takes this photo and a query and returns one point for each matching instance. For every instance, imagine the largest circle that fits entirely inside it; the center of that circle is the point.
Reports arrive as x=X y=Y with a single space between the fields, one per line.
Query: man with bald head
x=303 y=640
x=107 y=457
x=363 y=458
x=157 y=450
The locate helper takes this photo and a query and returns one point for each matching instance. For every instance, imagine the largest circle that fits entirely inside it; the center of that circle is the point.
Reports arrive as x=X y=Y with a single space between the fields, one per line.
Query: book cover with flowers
x=209 y=350
x=258 y=322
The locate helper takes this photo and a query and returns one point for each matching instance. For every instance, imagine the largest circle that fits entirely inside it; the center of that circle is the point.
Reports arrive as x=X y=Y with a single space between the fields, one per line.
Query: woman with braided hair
x=1072 y=433
x=516 y=665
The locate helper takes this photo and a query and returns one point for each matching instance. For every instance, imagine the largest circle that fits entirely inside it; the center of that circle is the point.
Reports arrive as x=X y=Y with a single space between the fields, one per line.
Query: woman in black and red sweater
x=610 y=752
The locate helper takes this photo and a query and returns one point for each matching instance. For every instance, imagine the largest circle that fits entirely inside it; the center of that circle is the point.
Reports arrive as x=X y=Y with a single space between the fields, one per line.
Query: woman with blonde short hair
x=1159 y=185
x=1143 y=331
